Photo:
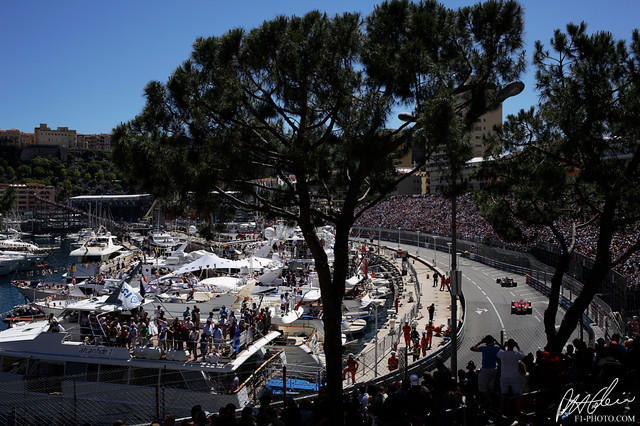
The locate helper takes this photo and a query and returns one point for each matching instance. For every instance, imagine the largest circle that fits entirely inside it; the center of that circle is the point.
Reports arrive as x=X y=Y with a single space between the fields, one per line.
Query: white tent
x=213 y=261
x=208 y=261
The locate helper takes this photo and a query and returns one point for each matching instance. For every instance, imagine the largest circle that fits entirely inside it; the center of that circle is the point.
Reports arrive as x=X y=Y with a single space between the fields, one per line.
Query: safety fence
x=373 y=358
x=505 y=258
x=104 y=394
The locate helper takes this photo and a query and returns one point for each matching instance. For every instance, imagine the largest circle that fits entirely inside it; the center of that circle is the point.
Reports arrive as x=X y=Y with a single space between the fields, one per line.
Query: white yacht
x=66 y=364
x=9 y=263
x=30 y=254
x=97 y=255
x=162 y=241
x=98 y=248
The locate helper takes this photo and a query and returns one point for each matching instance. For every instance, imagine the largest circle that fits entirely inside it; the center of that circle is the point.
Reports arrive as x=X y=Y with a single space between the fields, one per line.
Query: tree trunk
x=552 y=309
x=332 y=285
x=580 y=305
x=601 y=267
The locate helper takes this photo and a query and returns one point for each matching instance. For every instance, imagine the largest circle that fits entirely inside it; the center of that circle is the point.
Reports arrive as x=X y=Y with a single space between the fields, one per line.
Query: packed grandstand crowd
x=432 y=214
x=537 y=382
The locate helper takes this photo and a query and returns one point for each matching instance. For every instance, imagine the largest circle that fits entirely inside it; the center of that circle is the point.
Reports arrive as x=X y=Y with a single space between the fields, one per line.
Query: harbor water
x=51 y=270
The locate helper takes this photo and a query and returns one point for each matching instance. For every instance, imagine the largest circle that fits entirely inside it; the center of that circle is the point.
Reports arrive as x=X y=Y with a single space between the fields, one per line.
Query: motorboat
x=21 y=314
x=266 y=271
x=163 y=242
x=99 y=254
x=33 y=290
x=98 y=248
x=38 y=289
x=9 y=263
x=175 y=303
x=78 y=239
x=30 y=254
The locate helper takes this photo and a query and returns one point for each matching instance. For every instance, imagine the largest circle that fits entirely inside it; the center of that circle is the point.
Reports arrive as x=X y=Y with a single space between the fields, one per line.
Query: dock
x=414 y=297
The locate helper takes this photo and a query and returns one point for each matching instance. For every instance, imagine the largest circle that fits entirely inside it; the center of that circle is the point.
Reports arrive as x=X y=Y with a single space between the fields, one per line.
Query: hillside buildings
x=61 y=137
x=26 y=194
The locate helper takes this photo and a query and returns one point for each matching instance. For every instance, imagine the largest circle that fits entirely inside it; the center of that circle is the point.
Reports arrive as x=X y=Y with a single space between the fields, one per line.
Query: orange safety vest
x=406 y=329
x=352 y=364
x=424 y=341
x=393 y=363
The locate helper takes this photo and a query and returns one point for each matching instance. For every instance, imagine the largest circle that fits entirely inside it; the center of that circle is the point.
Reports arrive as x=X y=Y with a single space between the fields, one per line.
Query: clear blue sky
x=83 y=64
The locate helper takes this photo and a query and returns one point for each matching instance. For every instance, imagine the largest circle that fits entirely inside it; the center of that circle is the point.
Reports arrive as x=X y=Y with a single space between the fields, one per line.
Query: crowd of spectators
x=432 y=214
x=206 y=338
x=436 y=396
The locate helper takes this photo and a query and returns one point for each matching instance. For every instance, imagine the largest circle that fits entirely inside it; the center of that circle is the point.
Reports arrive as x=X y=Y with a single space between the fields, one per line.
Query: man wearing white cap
x=419 y=402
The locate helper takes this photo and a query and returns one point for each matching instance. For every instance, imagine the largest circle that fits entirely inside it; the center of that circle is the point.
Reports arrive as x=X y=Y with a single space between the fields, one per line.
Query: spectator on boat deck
x=267 y=320
x=124 y=338
x=223 y=325
x=158 y=312
x=133 y=331
x=223 y=312
x=184 y=336
x=231 y=330
x=113 y=334
x=97 y=332
x=171 y=333
x=186 y=314
x=204 y=345
x=145 y=333
x=194 y=336
x=214 y=358
x=55 y=327
x=188 y=324
x=162 y=336
x=195 y=316
x=217 y=334
x=207 y=330
x=235 y=383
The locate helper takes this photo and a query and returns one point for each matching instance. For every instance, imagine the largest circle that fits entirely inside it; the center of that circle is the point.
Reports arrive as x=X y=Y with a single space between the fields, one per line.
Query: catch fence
x=607 y=319
x=104 y=394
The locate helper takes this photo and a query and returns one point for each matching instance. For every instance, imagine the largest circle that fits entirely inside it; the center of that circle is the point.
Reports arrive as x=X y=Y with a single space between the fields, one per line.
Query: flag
x=142 y=290
x=235 y=343
x=130 y=299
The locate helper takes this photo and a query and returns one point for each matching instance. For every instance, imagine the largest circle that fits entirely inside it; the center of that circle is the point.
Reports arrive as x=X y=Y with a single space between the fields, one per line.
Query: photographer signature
x=570 y=404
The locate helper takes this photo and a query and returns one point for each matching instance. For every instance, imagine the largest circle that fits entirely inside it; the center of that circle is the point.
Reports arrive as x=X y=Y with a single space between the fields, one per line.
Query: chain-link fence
x=103 y=394
x=370 y=358
x=615 y=289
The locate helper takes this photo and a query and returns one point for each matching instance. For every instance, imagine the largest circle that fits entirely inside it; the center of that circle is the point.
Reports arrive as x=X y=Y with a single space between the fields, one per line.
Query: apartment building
x=11 y=137
x=101 y=142
x=26 y=193
x=432 y=179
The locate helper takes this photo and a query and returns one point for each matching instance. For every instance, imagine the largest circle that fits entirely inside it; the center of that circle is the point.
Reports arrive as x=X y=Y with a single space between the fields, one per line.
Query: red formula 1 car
x=521 y=307
x=506 y=282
